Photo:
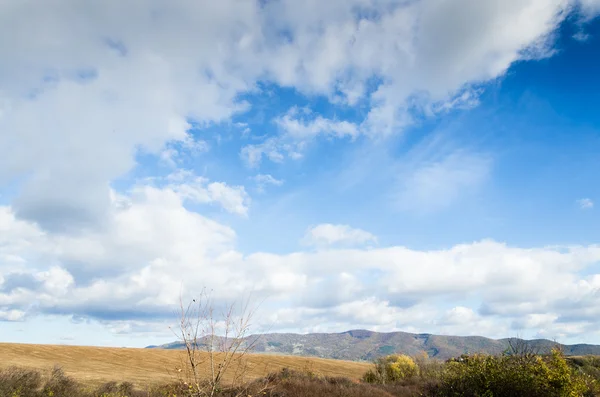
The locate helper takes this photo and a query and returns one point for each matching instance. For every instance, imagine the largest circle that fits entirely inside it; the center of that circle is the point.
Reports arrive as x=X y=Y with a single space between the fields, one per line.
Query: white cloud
x=538 y=320
x=435 y=174
x=589 y=8
x=264 y=180
x=296 y=134
x=461 y=320
x=431 y=56
x=139 y=100
x=232 y=199
x=105 y=82
x=581 y=36
x=298 y=128
x=134 y=270
x=12 y=315
x=327 y=234
x=585 y=204
x=433 y=47
x=86 y=87
x=199 y=189
x=175 y=151
x=271 y=148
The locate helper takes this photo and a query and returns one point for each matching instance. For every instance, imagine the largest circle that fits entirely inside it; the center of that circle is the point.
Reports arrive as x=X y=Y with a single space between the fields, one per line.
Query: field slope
x=95 y=365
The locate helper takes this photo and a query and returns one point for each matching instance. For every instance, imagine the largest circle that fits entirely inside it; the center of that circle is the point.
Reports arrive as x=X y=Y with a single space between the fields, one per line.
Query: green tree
x=510 y=375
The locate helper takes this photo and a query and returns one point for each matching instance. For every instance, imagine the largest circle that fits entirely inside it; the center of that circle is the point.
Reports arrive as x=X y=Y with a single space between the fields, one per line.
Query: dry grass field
x=95 y=365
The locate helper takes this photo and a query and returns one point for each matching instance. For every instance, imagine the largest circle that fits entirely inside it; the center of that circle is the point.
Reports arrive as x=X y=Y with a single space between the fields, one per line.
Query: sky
x=426 y=166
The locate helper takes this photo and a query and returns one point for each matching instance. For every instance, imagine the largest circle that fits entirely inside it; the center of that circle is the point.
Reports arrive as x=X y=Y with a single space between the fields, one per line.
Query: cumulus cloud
x=75 y=98
x=134 y=272
x=589 y=8
x=198 y=189
x=327 y=234
x=430 y=56
x=298 y=127
x=585 y=204
x=87 y=88
x=106 y=82
x=176 y=151
x=12 y=315
x=453 y=321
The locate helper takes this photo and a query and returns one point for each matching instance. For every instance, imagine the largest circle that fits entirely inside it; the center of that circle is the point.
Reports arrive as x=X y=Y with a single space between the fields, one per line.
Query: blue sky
x=369 y=164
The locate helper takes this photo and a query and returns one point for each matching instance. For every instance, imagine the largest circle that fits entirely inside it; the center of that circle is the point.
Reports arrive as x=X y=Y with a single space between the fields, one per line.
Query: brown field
x=95 y=365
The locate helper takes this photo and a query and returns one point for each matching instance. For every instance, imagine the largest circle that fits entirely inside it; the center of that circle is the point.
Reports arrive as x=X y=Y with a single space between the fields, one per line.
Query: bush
x=19 y=382
x=506 y=376
x=587 y=366
x=430 y=369
x=400 y=376
x=110 y=389
x=22 y=382
x=60 y=385
x=391 y=369
x=289 y=383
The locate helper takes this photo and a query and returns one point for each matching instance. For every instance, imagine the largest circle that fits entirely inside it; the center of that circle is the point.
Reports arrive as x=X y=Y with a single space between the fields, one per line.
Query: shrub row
x=18 y=382
x=550 y=375
x=508 y=375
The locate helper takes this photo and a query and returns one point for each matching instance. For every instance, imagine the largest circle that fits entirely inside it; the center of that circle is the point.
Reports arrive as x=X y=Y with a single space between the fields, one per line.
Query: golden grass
x=94 y=365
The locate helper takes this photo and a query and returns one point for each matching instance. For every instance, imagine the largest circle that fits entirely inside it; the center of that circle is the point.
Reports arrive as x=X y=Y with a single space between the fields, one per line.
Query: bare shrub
x=430 y=369
x=290 y=383
x=107 y=388
x=60 y=385
x=522 y=350
x=215 y=344
x=19 y=381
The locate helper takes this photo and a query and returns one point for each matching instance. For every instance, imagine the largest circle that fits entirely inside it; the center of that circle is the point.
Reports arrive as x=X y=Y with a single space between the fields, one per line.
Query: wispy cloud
x=581 y=36
x=175 y=151
x=264 y=180
x=438 y=172
x=271 y=148
x=297 y=129
x=585 y=204
x=434 y=186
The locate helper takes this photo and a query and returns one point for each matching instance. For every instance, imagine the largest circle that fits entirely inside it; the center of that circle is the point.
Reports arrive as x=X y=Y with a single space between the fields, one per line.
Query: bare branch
x=213 y=346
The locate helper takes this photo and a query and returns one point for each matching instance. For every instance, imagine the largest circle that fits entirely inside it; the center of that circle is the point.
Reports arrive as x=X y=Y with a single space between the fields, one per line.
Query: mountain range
x=363 y=345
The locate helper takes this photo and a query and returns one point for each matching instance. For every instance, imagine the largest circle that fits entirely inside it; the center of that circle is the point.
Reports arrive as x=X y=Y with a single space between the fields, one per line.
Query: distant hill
x=362 y=345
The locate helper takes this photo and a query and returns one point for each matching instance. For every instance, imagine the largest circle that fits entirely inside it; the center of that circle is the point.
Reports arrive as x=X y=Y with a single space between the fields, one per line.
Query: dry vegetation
x=95 y=365
x=90 y=370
